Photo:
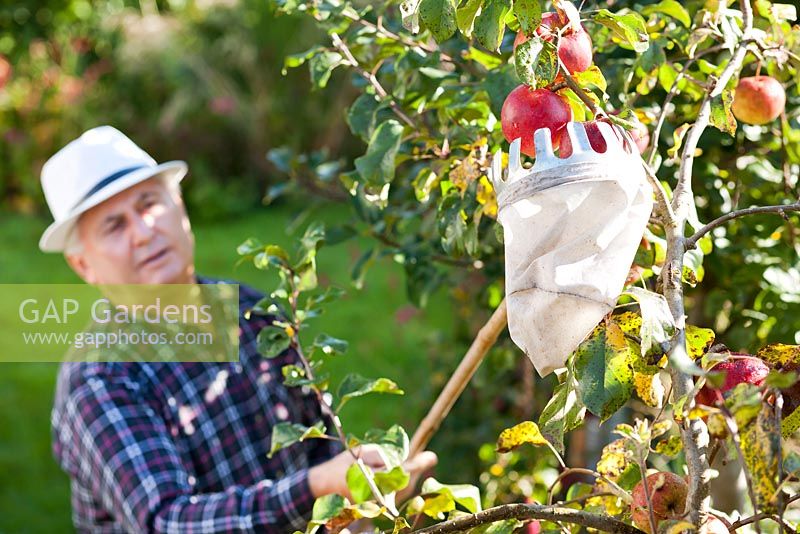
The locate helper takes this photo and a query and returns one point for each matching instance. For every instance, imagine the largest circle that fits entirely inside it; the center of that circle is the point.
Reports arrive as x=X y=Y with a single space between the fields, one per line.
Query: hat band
x=106 y=181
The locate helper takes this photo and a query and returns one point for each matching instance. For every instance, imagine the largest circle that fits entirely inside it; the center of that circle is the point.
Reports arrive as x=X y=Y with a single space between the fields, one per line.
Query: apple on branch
x=668 y=494
x=574 y=43
x=526 y=109
x=758 y=100
x=741 y=368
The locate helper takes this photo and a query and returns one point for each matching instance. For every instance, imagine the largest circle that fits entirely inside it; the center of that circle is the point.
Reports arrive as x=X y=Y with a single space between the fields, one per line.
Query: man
x=171 y=447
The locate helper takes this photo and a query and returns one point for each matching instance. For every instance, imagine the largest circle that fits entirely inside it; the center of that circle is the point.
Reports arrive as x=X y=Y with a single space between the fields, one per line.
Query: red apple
x=534 y=527
x=574 y=46
x=596 y=139
x=742 y=368
x=5 y=71
x=668 y=494
x=526 y=110
x=641 y=136
x=758 y=100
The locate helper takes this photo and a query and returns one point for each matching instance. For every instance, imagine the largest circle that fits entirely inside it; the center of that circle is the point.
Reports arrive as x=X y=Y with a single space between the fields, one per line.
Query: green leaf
x=721 y=114
x=295 y=60
x=287 y=434
x=518 y=435
x=294 y=375
x=321 y=66
x=361 y=115
x=628 y=27
x=671 y=8
x=466 y=495
x=536 y=62
x=604 y=370
x=377 y=166
x=272 y=342
x=330 y=345
x=744 y=402
x=393 y=444
x=386 y=481
x=465 y=16
x=781 y=380
x=563 y=413
x=529 y=15
x=490 y=24
x=328 y=507
x=361 y=266
x=439 y=16
x=355 y=385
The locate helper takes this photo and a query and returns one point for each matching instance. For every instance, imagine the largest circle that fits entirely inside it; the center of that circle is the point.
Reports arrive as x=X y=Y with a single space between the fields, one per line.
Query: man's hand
x=331 y=476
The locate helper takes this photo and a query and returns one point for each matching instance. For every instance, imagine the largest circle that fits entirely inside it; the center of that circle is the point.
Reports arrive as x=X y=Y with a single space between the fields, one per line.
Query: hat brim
x=54 y=238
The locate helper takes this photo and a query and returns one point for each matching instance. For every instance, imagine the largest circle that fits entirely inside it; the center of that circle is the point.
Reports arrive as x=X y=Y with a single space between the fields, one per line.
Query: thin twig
x=691 y=242
x=369 y=77
x=616 y=490
x=651 y=516
x=520 y=511
x=382 y=31
x=328 y=411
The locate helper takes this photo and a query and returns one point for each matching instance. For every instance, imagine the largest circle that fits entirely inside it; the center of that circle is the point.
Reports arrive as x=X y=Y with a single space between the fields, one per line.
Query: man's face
x=139 y=236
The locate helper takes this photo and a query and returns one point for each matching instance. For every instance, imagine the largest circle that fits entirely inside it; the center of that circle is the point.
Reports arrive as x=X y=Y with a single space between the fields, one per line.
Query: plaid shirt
x=182 y=447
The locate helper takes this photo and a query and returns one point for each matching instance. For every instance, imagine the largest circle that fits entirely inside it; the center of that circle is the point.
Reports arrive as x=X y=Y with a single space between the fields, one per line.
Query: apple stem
x=758 y=68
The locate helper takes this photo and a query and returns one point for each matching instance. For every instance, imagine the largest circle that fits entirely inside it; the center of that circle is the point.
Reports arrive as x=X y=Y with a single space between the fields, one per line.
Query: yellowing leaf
x=698 y=340
x=760 y=447
x=790 y=424
x=486 y=197
x=525 y=432
x=780 y=355
x=649 y=388
x=669 y=447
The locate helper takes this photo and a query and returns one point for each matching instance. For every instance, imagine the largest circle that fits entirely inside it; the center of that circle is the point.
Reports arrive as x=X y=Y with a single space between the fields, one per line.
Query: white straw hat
x=94 y=167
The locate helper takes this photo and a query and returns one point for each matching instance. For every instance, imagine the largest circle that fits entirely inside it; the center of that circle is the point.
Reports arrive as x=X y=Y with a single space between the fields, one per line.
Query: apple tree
x=704 y=339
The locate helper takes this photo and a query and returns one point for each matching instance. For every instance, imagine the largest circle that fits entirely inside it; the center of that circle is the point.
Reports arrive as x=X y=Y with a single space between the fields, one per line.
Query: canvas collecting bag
x=571 y=229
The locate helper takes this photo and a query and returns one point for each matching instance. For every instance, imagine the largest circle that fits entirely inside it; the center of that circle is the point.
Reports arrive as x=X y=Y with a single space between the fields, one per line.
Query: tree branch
x=520 y=511
x=691 y=242
x=694 y=432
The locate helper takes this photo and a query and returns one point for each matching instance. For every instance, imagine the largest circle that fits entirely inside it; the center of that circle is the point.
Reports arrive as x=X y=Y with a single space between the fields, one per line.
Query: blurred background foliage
x=202 y=80
x=187 y=79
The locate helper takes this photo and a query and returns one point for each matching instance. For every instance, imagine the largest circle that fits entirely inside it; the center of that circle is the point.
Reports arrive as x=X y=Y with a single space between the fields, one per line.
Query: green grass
x=34 y=493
